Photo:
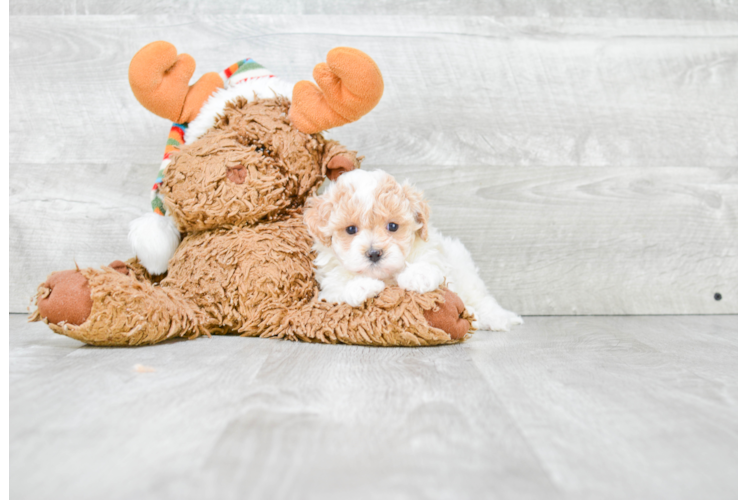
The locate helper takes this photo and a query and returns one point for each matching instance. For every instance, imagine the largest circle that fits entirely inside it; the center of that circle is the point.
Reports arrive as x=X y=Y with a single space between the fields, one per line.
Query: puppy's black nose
x=374 y=255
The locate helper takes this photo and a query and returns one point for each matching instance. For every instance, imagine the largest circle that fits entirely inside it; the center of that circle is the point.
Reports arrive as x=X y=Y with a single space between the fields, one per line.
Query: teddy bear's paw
x=359 y=289
x=447 y=316
x=420 y=278
x=65 y=298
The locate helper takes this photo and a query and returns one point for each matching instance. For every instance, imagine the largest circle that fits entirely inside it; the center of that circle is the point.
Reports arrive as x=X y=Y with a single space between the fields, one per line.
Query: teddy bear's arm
x=396 y=317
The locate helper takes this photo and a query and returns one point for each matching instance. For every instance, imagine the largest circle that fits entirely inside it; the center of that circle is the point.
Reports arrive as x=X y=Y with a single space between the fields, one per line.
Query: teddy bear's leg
x=395 y=317
x=115 y=306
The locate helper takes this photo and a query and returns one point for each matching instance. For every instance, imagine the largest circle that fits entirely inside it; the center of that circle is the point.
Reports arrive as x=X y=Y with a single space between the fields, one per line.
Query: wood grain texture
x=594 y=240
x=743 y=184
x=602 y=152
x=742 y=225
x=68 y=215
x=612 y=240
x=680 y=9
x=587 y=407
x=618 y=385
x=458 y=91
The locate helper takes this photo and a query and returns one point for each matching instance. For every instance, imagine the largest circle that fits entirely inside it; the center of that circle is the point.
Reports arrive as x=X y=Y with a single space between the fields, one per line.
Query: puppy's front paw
x=359 y=289
x=420 y=278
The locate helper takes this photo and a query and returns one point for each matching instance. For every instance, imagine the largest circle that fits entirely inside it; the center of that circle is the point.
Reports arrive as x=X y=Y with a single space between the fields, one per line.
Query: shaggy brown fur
x=245 y=263
x=282 y=165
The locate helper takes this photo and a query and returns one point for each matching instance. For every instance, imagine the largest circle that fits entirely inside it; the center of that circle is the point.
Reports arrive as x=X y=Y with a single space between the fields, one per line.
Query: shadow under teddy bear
x=234 y=194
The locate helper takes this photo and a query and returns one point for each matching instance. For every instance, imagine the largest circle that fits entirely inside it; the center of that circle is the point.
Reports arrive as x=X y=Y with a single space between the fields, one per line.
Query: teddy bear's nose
x=237 y=174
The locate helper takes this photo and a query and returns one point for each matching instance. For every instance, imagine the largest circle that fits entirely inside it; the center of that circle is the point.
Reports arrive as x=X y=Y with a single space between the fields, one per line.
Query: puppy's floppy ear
x=316 y=217
x=420 y=209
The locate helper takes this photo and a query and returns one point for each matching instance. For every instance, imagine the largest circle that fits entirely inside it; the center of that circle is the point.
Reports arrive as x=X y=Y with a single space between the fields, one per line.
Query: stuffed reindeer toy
x=225 y=249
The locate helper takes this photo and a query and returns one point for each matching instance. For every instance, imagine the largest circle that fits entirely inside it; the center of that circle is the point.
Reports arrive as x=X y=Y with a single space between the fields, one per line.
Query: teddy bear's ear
x=160 y=80
x=339 y=165
x=350 y=85
x=316 y=218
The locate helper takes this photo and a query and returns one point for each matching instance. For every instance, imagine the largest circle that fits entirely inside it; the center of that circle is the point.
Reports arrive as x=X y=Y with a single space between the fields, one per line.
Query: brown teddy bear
x=226 y=249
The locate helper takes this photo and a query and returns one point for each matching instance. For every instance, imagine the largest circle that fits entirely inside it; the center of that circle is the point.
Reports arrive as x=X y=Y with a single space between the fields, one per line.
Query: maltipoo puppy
x=370 y=231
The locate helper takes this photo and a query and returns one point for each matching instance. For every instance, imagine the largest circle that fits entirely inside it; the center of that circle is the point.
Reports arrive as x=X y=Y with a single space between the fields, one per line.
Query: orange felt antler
x=350 y=85
x=160 y=80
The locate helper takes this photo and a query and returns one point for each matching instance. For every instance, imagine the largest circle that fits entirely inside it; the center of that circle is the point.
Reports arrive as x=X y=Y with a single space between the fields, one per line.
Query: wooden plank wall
x=585 y=152
x=742 y=29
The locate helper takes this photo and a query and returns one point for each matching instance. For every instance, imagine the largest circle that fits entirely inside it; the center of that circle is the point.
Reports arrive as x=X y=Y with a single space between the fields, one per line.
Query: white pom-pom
x=154 y=239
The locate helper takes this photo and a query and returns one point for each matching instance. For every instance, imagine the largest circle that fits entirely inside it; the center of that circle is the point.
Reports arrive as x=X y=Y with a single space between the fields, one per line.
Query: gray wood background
x=561 y=408
x=585 y=152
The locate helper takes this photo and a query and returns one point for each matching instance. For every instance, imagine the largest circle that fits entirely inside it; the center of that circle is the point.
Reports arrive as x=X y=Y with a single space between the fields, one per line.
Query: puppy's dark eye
x=351 y=230
x=392 y=227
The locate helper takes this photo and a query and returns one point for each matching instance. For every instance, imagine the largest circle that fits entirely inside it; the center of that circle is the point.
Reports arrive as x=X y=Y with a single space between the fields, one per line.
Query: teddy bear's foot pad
x=66 y=296
x=448 y=316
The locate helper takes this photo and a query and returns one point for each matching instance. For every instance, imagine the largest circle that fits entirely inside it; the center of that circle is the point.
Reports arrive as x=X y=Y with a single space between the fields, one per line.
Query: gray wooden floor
x=562 y=407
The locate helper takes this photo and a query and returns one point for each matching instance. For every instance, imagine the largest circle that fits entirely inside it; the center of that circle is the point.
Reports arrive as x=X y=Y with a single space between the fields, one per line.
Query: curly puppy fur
x=245 y=261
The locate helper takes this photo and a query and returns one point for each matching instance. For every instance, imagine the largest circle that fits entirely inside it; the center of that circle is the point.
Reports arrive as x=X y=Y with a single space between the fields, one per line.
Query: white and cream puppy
x=370 y=231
